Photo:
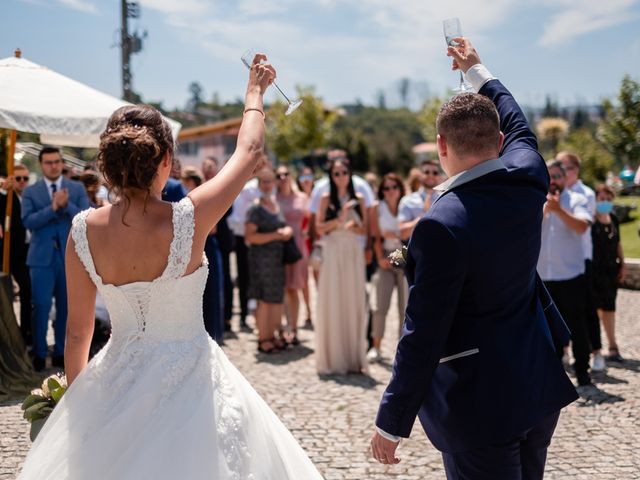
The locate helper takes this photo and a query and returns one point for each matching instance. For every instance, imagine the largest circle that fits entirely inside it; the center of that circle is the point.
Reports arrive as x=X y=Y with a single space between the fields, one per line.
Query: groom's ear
x=442 y=147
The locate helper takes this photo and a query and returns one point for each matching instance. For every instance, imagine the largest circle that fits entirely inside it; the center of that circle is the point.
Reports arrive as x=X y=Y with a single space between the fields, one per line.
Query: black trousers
x=20 y=273
x=593 y=322
x=228 y=287
x=521 y=458
x=570 y=296
x=242 y=263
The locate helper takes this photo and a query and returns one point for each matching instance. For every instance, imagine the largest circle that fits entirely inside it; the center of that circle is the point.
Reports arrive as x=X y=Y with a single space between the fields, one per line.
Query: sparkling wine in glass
x=247 y=59
x=453 y=29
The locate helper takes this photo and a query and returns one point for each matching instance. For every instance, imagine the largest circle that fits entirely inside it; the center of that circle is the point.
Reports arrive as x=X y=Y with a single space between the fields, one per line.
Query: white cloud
x=80 y=5
x=577 y=18
x=386 y=41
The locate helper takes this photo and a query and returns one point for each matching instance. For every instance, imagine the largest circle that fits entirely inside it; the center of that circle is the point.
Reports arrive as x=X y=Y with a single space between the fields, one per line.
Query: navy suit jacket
x=173 y=191
x=474 y=291
x=49 y=229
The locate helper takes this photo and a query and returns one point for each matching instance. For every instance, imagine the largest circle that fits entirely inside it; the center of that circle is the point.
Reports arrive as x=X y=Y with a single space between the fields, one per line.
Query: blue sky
x=575 y=50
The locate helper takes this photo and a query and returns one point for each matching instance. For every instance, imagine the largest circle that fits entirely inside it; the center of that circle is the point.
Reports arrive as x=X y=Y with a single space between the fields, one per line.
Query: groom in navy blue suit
x=479 y=358
x=48 y=206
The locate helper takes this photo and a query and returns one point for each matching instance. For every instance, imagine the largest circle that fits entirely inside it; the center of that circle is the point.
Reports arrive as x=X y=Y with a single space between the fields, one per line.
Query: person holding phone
x=341 y=309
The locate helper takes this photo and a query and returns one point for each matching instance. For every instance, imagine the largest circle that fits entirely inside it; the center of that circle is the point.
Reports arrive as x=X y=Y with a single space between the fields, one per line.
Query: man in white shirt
x=571 y=163
x=413 y=207
x=561 y=263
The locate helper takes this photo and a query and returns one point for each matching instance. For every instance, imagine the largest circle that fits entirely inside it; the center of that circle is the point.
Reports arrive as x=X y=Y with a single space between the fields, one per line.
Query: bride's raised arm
x=213 y=198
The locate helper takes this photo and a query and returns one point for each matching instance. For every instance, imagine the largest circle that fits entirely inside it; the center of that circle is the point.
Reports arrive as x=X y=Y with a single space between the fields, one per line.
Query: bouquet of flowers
x=41 y=402
x=398 y=257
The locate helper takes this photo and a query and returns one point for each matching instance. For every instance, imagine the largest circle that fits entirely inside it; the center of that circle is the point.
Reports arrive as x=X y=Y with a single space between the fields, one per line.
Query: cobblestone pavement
x=598 y=437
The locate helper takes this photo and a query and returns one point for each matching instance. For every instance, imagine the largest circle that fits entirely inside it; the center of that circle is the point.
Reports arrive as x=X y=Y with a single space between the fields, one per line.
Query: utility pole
x=129 y=45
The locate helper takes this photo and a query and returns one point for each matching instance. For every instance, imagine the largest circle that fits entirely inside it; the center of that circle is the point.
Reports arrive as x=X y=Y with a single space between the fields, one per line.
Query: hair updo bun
x=132 y=146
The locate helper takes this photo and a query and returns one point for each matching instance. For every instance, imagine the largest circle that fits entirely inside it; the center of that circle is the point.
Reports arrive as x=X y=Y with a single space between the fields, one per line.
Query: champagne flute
x=453 y=29
x=247 y=59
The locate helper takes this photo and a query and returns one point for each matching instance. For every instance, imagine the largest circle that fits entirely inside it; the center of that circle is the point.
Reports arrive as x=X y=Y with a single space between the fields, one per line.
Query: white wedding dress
x=161 y=400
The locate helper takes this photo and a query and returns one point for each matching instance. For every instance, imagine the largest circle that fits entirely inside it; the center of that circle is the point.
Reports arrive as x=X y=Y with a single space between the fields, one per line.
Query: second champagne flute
x=452 y=29
x=247 y=59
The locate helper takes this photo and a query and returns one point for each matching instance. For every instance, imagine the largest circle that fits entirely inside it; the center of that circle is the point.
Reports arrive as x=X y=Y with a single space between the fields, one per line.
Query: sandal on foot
x=269 y=348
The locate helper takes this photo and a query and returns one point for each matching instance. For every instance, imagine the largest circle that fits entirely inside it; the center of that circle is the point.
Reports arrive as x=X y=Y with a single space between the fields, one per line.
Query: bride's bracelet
x=254 y=110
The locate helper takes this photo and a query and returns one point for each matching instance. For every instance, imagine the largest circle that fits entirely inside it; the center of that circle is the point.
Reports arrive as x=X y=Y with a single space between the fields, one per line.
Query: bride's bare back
x=135 y=252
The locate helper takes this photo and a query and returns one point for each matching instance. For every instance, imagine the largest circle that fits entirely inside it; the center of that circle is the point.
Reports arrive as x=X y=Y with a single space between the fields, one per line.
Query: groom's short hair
x=469 y=123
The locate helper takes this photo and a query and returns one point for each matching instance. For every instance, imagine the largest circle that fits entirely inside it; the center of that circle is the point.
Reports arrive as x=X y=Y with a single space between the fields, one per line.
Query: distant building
x=214 y=139
x=425 y=151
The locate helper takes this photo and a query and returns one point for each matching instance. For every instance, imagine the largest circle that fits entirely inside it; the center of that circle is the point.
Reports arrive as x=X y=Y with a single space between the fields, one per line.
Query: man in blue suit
x=479 y=358
x=48 y=206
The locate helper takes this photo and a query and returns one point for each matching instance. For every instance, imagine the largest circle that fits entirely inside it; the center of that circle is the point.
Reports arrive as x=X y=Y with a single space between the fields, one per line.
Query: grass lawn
x=629 y=230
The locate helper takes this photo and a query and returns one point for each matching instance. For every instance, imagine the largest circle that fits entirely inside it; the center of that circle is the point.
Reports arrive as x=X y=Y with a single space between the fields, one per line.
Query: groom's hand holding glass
x=463 y=53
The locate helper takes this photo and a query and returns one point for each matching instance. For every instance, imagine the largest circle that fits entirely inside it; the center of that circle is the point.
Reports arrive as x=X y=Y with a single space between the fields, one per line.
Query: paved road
x=598 y=437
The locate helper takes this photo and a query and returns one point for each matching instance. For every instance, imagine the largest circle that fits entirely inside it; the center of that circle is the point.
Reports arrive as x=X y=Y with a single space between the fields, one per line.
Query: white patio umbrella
x=63 y=111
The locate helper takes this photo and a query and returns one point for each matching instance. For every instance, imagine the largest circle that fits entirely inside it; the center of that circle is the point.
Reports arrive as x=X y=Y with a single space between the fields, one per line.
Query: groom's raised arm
x=520 y=148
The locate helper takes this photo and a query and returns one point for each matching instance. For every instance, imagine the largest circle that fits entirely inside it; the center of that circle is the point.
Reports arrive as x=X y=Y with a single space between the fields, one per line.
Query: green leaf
x=36 y=426
x=35 y=411
x=32 y=400
x=57 y=393
x=52 y=383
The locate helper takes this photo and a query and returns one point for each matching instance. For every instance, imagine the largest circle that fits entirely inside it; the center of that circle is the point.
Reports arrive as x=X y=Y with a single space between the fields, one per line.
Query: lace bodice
x=167 y=308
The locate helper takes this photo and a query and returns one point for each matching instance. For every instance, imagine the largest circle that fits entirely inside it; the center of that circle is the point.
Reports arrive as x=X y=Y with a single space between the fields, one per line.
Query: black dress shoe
x=38 y=364
x=58 y=361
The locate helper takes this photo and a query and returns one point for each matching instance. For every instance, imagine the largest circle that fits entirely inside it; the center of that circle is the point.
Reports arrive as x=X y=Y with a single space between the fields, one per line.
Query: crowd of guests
x=287 y=227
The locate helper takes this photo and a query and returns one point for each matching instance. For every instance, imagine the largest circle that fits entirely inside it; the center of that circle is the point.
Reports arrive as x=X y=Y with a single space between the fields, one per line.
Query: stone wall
x=632 y=269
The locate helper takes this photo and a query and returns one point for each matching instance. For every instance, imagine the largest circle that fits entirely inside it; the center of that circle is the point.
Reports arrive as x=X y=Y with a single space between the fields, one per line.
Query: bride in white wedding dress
x=161 y=400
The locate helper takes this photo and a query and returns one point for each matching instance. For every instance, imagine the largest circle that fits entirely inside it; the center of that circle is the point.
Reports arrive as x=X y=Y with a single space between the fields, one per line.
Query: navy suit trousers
x=47 y=283
x=521 y=458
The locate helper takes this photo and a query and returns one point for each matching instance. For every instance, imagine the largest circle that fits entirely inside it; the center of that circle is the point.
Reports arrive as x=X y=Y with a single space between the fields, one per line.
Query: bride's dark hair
x=132 y=146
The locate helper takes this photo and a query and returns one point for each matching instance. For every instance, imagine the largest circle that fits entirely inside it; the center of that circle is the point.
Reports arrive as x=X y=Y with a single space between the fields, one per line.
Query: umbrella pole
x=7 y=219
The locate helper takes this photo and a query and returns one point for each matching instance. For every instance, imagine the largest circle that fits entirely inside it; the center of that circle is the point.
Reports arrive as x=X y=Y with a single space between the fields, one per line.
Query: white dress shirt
x=587 y=243
x=561 y=254
x=57 y=182
x=241 y=204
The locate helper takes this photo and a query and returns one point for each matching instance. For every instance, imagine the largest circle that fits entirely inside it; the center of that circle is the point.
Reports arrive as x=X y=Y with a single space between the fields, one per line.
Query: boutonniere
x=398 y=257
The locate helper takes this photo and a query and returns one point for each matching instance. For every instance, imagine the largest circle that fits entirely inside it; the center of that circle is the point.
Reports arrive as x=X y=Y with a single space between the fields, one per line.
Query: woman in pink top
x=294 y=206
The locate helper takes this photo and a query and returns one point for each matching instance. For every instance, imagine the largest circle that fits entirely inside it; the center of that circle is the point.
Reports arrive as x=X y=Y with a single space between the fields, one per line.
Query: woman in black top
x=608 y=265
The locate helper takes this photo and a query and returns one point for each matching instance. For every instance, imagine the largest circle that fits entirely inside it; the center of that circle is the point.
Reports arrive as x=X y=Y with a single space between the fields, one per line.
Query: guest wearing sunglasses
x=293 y=205
x=19 y=245
x=385 y=228
x=341 y=308
x=566 y=217
x=414 y=206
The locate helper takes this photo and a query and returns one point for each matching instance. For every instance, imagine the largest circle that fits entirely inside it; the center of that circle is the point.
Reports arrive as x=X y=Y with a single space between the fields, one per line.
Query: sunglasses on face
x=389 y=188
x=340 y=173
x=283 y=175
x=556 y=176
x=306 y=178
x=21 y=179
x=431 y=172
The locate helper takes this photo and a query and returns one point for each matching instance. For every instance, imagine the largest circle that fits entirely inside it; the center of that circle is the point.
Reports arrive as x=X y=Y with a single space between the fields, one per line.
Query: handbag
x=291 y=252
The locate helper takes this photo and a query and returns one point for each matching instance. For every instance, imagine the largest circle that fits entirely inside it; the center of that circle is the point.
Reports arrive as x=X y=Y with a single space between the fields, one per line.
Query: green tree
x=428 y=116
x=309 y=128
x=620 y=128
x=596 y=159
x=383 y=137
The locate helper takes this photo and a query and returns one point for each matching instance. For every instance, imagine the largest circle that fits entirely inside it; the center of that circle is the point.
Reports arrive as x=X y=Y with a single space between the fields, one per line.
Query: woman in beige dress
x=341 y=312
